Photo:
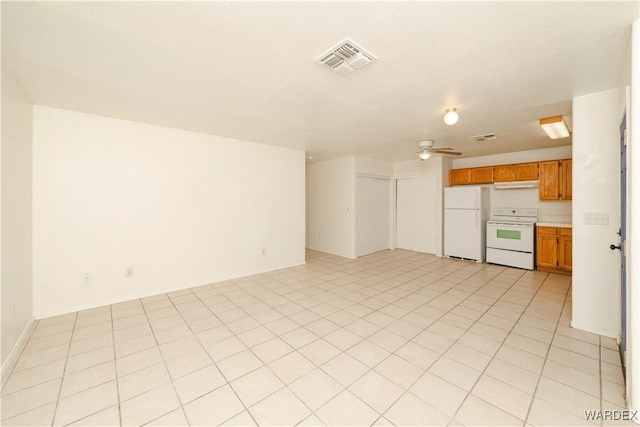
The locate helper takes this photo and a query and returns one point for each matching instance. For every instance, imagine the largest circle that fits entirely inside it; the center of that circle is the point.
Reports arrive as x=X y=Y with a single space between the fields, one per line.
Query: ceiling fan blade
x=442 y=148
x=448 y=153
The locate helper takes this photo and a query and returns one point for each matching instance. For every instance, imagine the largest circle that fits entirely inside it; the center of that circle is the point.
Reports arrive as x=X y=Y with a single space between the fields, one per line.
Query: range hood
x=516 y=184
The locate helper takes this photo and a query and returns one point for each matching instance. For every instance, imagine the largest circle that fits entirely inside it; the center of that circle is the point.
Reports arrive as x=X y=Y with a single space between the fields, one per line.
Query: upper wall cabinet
x=490 y=174
x=555 y=180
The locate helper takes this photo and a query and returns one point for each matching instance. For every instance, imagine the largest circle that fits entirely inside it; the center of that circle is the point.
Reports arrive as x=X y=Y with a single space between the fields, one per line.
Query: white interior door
x=381 y=213
x=365 y=218
x=404 y=214
x=425 y=212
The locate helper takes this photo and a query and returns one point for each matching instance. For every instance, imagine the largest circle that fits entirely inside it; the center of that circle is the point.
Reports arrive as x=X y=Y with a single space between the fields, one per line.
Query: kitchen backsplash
x=553 y=211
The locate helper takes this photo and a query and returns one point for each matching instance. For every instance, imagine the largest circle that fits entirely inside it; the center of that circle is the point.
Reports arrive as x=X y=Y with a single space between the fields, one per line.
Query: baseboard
x=10 y=363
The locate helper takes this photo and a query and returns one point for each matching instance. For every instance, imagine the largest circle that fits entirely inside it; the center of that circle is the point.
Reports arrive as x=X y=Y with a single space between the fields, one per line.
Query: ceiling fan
x=427 y=150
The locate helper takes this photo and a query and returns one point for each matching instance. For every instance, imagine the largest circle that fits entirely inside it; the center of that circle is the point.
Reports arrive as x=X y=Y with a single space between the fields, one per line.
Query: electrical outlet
x=86 y=279
x=128 y=272
x=264 y=252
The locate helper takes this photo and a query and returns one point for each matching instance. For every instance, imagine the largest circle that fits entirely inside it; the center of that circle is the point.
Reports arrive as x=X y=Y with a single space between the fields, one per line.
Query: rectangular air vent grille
x=486 y=137
x=345 y=57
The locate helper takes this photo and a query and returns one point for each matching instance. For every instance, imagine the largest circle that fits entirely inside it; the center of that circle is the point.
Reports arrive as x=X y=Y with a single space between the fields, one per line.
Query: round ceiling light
x=425 y=155
x=451 y=116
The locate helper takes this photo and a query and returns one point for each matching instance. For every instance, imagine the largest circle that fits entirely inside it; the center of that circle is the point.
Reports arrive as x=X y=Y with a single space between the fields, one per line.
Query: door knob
x=614 y=247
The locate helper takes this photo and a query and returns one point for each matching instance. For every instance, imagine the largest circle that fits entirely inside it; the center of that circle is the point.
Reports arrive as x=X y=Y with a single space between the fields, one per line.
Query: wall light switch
x=596 y=218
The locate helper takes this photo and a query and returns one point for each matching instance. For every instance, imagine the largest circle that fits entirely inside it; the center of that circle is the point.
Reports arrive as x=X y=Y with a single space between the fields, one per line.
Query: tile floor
x=394 y=338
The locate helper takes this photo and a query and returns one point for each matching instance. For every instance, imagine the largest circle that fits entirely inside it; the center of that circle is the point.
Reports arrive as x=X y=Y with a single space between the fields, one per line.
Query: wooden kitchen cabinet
x=553 y=249
x=459 y=176
x=482 y=175
x=504 y=173
x=526 y=171
x=555 y=180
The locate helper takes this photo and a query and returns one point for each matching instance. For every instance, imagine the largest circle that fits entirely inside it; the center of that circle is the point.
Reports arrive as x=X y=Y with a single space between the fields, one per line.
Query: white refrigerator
x=466 y=210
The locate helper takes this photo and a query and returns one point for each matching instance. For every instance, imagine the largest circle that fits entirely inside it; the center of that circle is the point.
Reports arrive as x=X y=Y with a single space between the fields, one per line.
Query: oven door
x=513 y=237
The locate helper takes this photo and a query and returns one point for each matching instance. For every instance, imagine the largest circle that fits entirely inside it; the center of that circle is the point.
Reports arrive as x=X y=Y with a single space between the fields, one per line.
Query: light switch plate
x=596 y=218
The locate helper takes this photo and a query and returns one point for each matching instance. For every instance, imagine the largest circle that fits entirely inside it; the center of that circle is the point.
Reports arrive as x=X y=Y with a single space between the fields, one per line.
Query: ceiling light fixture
x=451 y=116
x=425 y=155
x=555 y=127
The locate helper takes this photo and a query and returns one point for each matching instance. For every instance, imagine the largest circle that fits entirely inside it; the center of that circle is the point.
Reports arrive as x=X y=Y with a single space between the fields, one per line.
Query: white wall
x=373 y=167
x=633 y=229
x=17 y=309
x=596 y=188
x=182 y=208
x=330 y=206
x=435 y=166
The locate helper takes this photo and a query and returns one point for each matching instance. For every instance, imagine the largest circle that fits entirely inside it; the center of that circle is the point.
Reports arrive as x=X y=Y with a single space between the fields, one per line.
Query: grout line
x=64 y=370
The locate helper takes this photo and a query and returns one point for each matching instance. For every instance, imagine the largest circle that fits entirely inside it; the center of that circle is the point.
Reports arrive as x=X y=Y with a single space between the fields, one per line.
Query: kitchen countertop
x=554 y=224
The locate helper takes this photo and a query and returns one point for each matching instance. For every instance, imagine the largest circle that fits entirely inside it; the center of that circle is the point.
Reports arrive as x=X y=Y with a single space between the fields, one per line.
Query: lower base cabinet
x=554 y=249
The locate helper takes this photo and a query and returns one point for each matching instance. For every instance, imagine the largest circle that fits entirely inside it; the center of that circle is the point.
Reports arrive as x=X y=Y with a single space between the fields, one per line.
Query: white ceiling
x=246 y=69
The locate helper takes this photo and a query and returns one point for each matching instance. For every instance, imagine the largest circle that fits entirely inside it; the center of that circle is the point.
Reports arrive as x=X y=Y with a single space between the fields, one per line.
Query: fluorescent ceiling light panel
x=555 y=127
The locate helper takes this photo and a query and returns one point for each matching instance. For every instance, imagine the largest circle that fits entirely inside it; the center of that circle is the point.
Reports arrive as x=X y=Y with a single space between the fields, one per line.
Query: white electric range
x=511 y=237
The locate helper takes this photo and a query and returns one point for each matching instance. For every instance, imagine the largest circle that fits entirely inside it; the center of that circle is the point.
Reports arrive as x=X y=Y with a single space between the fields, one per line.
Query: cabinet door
x=565 y=260
x=546 y=248
x=459 y=176
x=549 y=183
x=504 y=173
x=566 y=179
x=526 y=171
x=482 y=175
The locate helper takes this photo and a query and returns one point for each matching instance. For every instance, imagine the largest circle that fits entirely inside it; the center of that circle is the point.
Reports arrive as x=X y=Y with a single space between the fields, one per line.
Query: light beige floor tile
x=34 y=376
x=179 y=347
x=565 y=397
x=468 y=356
x=187 y=363
x=87 y=402
x=521 y=358
x=433 y=341
x=368 y=353
x=255 y=336
x=175 y=418
x=198 y=383
x=127 y=322
x=439 y=393
x=299 y=337
x=575 y=360
x=315 y=388
x=614 y=393
x=37 y=344
x=42 y=331
x=347 y=410
x=138 y=361
x=291 y=367
x=527 y=344
x=362 y=328
x=281 y=408
x=343 y=339
x=272 y=350
x=503 y=396
x=572 y=377
x=387 y=340
x=455 y=372
x=131 y=332
x=242 y=325
x=411 y=411
x=239 y=364
x=256 y=385
x=134 y=345
x=544 y=414
x=477 y=412
x=42 y=416
x=172 y=333
x=42 y=357
x=344 y=369
x=88 y=378
x=483 y=344
x=322 y=327
x=577 y=346
x=79 y=346
x=214 y=335
x=106 y=417
x=376 y=391
x=30 y=398
x=311 y=421
x=282 y=326
x=520 y=378
x=142 y=381
x=399 y=371
x=149 y=406
x=243 y=419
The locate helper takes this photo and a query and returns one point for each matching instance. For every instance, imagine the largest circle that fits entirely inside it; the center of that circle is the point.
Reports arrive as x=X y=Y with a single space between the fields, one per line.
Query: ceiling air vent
x=486 y=137
x=346 y=57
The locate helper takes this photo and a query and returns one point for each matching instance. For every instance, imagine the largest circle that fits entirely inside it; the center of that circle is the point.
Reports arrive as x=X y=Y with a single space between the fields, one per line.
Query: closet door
x=404 y=214
x=381 y=213
x=365 y=218
x=425 y=210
